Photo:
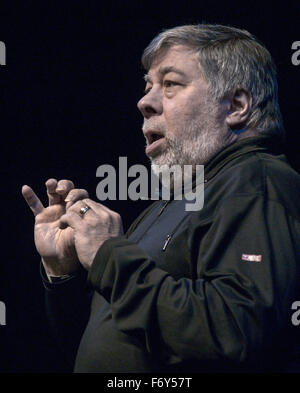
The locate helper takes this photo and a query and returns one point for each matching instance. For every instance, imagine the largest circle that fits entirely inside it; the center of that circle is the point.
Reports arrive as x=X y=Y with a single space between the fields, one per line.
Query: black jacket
x=197 y=291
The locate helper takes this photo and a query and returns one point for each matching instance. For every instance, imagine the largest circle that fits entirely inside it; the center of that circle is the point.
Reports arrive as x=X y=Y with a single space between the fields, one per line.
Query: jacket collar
x=272 y=144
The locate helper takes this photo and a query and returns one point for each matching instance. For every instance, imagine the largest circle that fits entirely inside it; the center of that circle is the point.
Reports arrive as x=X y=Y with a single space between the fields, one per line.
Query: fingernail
x=68 y=199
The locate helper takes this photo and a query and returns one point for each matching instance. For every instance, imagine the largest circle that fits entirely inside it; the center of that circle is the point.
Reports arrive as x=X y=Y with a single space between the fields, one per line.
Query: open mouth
x=153 y=136
x=154 y=143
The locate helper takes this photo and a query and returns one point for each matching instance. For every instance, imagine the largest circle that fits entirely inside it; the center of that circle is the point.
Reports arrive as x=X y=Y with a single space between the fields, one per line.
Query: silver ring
x=83 y=210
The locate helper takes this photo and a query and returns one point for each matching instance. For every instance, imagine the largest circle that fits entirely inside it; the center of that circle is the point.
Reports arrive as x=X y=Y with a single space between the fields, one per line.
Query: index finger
x=32 y=200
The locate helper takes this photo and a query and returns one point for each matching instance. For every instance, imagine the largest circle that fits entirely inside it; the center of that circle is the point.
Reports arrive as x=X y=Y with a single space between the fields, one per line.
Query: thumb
x=70 y=219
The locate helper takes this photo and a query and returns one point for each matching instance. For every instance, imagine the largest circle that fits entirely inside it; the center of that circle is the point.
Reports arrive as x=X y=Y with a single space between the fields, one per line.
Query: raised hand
x=55 y=243
x=93 y=223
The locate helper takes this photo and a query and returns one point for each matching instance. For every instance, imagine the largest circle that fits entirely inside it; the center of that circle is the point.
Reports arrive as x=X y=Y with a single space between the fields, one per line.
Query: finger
x=97 y=207
x=77 y=206
x=64 y=187
x=32 y=200
x=53 y=197
x=74 y=196
x=70 y=219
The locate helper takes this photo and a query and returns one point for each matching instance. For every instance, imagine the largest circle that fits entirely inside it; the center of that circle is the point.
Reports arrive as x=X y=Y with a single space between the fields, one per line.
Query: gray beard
x=195 y=146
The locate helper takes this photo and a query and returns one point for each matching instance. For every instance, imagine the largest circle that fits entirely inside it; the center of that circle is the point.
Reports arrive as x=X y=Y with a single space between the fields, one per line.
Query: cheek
x=175 y=120
x=178 y=115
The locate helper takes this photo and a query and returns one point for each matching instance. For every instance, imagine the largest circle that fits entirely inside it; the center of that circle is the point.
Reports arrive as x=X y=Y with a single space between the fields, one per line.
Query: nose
x=151 y=103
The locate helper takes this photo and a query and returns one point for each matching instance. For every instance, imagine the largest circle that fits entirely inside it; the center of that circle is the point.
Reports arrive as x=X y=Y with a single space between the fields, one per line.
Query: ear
x=240 y=106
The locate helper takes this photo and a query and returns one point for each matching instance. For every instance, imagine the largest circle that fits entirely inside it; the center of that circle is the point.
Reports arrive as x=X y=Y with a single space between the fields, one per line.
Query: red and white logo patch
x=251 y=258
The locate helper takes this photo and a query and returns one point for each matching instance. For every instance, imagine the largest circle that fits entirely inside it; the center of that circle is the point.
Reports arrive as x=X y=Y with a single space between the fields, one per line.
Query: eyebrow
x=163 y=71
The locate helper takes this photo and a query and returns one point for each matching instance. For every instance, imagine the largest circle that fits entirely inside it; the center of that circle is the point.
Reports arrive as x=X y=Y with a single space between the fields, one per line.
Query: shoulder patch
x=251 y=258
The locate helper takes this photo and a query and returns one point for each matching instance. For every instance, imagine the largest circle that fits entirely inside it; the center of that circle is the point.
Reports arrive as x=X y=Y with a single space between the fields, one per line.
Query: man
x=184 y=291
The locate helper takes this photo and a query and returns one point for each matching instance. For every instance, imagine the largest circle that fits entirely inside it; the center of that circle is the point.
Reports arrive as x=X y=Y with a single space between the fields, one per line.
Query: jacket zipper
x=163 y=208
x=158 y=214
x=169 y=237
x=166 y=242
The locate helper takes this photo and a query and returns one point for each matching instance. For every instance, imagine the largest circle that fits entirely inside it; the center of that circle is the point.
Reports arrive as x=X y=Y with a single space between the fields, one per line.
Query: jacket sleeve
x=67 y=304
x=237 y=304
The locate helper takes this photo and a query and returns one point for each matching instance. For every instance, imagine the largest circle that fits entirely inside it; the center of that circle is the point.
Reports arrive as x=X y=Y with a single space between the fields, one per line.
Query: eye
x=169 y=83
x=147 y=89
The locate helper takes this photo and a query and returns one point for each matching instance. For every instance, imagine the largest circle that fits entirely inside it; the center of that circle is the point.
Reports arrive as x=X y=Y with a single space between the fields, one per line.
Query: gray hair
x=229 y=59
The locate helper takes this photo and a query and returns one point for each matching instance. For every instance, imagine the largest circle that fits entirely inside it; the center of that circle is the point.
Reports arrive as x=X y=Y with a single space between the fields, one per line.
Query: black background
x=68 y=99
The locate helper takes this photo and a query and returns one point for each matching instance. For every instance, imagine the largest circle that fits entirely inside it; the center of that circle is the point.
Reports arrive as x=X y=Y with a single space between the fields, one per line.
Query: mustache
x=153 y=125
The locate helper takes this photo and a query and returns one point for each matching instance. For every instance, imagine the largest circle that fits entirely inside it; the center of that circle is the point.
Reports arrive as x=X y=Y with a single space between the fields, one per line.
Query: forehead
x=178 y=58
